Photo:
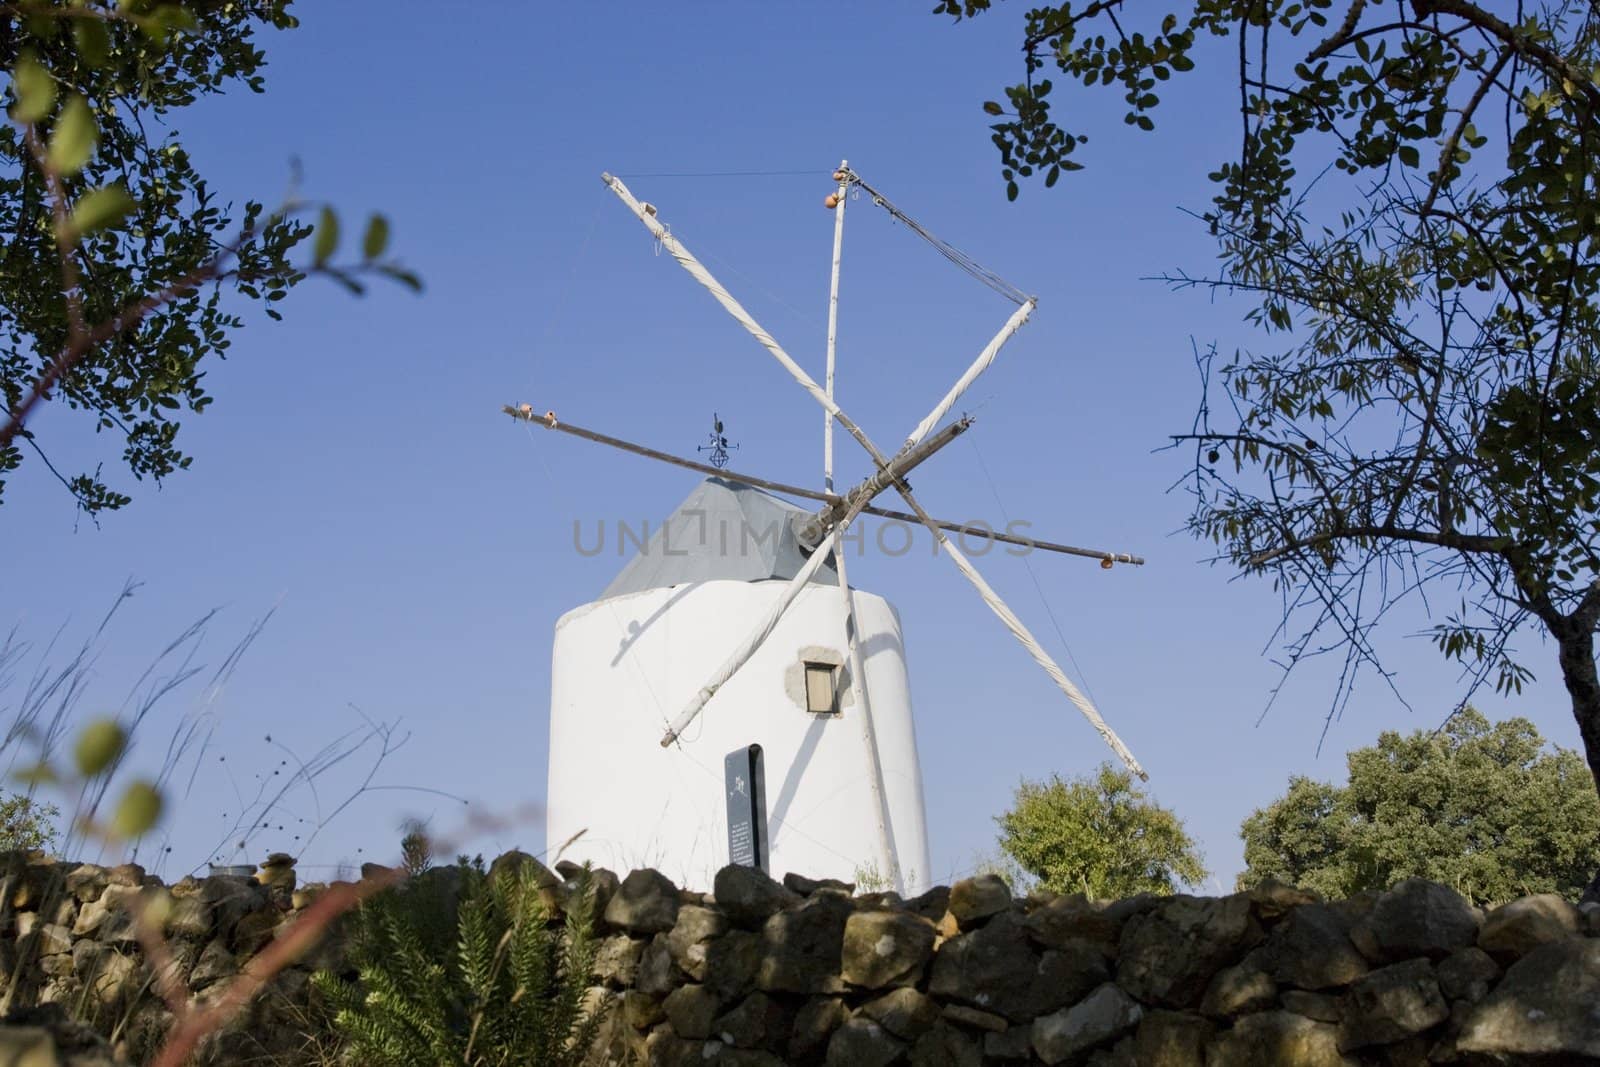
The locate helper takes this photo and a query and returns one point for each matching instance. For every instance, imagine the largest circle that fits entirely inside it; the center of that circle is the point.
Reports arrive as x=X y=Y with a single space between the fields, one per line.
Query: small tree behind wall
x=1098 y=835
x=1486 y=809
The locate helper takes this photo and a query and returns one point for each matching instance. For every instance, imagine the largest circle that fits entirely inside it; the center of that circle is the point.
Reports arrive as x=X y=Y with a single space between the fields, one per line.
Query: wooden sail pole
x=526 y=413
x=883 y=821
x=833 y=319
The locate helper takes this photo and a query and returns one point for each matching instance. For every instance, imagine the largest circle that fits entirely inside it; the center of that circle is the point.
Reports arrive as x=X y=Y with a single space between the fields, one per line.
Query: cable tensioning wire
x=944 y=248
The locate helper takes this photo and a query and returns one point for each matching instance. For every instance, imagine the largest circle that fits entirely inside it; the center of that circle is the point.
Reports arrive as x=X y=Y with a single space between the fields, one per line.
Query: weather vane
x=719 y=446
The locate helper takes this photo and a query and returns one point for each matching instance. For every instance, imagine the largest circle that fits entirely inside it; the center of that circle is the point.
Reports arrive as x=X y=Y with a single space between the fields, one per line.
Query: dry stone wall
x=762 y=973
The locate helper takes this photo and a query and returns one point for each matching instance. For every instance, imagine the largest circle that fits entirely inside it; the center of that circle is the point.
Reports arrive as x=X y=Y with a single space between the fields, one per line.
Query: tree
x=122 y=269
x=27 y=824
x=1411 y=211
x=1098 y=835
x=501 y=986
x=1483 y=808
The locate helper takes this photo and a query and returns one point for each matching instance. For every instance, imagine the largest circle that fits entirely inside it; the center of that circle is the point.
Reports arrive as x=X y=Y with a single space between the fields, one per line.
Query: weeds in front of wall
x=85 y=760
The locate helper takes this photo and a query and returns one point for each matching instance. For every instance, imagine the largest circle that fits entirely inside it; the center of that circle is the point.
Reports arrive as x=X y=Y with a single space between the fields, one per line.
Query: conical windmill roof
x=723 y=530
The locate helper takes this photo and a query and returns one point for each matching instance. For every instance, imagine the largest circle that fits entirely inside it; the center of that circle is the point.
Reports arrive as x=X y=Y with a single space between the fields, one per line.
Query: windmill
x=721 y=636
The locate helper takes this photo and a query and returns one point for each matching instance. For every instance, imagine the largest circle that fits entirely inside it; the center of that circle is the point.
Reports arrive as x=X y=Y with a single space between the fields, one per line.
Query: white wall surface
x=624 y=667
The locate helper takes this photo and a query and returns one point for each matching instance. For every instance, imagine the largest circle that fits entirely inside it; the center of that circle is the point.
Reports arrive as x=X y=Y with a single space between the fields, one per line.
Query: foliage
x=1099 y=835
x=510 y=990
x=1411 y=211
x=123 y=269
x=1483 y=808
x=27 y=824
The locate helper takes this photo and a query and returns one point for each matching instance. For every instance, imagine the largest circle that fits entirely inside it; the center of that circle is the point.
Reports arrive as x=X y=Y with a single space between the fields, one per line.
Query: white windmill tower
x=736 y=624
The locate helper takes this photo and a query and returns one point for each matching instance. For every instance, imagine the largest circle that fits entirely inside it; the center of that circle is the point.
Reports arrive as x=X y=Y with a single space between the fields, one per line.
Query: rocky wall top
x=808 y=972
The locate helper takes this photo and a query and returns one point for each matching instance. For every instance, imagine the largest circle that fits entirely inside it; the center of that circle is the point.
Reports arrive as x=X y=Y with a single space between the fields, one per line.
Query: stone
x=691 y=1009
x=87 y=881
x=1416 y=918
x=640 y=1010
x=801 y=948
x=110 y=916
x=61 y=964
x=1239 y=990
x=1013 y=1044
x=884 y=948
x=1118 y=1055
x=1544 y=1006
x=616 y=959
x=757 y=1021
x=1514 y=929
x=657 y=975
x=1391 y=1004
x=1074 y=919
x=1169 y=954
x=972 y=900
x=1272 y=900
x=114 y=980
x=255 y=931
x=695 y=926
x=231 y=899
x=942 y=1045
x=215 y=964
x=1311 y=949
x=127 y=874
x=42 y=939
x=799 y=883
x=903 y=1012
x=996 y=968
x=1101 y=1017
x=1276 y=1039
x=645 y=903
x=732 y=962
x=860 y=1042
x=976 y=1018
x=814 y=1024
x=749 y=896
x=931 y=905
x=1590 y=911
x=189 y=919
x=1467 y=974
x=1323 y=1007
x=28 y=1046
x=1171 y=1039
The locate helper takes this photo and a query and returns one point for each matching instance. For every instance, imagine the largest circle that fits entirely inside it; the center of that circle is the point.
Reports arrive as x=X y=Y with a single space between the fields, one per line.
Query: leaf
x=327 y=236
x=99 y=745
x=93 y=41
x=75 y=137
x=34 y=89
x=1408 y=155
x=992 y=108
x=376 y=238
x=100 y=208
x=137 y=811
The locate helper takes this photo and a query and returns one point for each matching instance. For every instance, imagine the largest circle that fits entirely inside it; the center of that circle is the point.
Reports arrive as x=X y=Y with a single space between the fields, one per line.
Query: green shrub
x=505 y=986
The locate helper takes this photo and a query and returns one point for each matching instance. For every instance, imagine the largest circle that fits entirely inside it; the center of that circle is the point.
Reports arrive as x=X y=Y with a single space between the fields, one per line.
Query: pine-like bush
x=507 y=989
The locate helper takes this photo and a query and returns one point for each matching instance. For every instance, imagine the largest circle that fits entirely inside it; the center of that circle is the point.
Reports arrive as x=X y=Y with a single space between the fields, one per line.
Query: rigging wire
x=944 y=248
x=1028 y=564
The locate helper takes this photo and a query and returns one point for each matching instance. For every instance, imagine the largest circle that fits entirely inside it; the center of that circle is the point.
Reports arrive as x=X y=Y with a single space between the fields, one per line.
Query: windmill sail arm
x=1027 y=640
x=979 y=365
x=748 y=646
x=869 y=733
x=525 y=413
x=699 y=273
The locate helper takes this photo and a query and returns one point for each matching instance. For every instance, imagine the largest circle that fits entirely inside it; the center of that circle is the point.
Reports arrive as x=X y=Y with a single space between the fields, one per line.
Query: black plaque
x=745 y=783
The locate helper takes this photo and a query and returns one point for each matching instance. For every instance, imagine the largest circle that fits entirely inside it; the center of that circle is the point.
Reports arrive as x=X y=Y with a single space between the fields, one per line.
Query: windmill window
x=822 y=689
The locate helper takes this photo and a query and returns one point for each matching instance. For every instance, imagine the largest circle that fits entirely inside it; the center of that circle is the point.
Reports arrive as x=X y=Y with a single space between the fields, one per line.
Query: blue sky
x=356 y=475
